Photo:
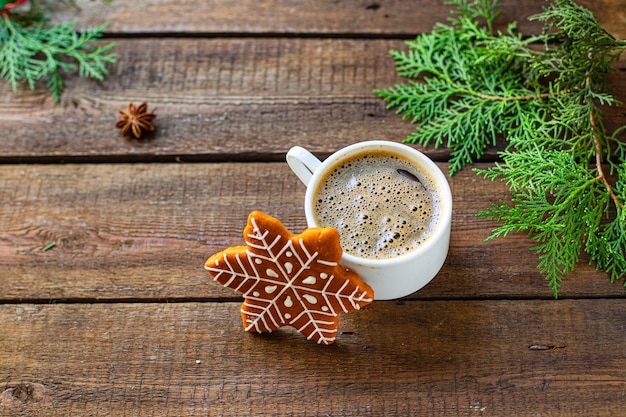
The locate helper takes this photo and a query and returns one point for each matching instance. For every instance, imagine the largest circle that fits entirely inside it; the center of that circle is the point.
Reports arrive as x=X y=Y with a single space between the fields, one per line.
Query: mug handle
x=303 y=163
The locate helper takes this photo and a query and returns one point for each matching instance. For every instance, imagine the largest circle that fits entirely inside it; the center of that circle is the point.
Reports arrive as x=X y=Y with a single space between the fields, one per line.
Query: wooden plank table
x=120 y=317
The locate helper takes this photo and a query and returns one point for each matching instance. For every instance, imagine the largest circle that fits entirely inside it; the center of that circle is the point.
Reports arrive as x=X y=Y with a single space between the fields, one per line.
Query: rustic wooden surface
x=119 y=318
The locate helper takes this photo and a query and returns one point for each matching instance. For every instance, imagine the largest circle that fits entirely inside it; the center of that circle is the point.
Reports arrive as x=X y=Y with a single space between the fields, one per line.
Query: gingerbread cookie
x=290 y=280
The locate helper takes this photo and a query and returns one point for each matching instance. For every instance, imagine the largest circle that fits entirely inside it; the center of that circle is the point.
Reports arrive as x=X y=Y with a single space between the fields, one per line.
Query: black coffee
x=382 y=204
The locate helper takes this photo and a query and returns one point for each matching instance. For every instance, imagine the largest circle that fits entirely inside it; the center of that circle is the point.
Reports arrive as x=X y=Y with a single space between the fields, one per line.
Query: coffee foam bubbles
x=382 y=204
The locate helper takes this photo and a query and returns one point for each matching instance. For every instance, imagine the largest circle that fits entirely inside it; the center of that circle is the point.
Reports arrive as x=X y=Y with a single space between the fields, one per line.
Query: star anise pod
x=136 y=120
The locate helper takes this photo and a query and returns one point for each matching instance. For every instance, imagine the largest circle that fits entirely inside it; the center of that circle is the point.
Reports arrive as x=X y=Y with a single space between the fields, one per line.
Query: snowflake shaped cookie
x=290 y=280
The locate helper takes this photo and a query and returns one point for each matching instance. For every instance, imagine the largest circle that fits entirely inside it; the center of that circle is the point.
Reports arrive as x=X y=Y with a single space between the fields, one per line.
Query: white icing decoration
x=288 y=302
x=313 y=308
x=309 y=280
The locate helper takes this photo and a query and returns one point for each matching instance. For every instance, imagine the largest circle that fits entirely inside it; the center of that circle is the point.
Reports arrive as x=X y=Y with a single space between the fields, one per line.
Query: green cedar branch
x=544 y=95
x=33 y=50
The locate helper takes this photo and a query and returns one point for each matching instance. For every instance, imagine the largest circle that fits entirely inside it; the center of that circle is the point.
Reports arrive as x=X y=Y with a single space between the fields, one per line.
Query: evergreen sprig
x=468 y=85
x=32 y=49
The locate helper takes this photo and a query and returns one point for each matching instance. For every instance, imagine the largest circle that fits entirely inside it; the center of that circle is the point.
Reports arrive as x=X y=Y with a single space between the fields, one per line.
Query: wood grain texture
x=324 y=17
x=143 y=231
x=223 y=99
x=233 y=97
x=462 y=358
x=119 y=318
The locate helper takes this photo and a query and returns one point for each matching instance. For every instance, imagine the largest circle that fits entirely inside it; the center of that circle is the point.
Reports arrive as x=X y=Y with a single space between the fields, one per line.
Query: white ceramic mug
x=392 y=277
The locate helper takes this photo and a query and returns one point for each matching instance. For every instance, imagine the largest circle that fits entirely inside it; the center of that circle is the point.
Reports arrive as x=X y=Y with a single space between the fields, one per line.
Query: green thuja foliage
x=468 y=85
x=32 y=49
